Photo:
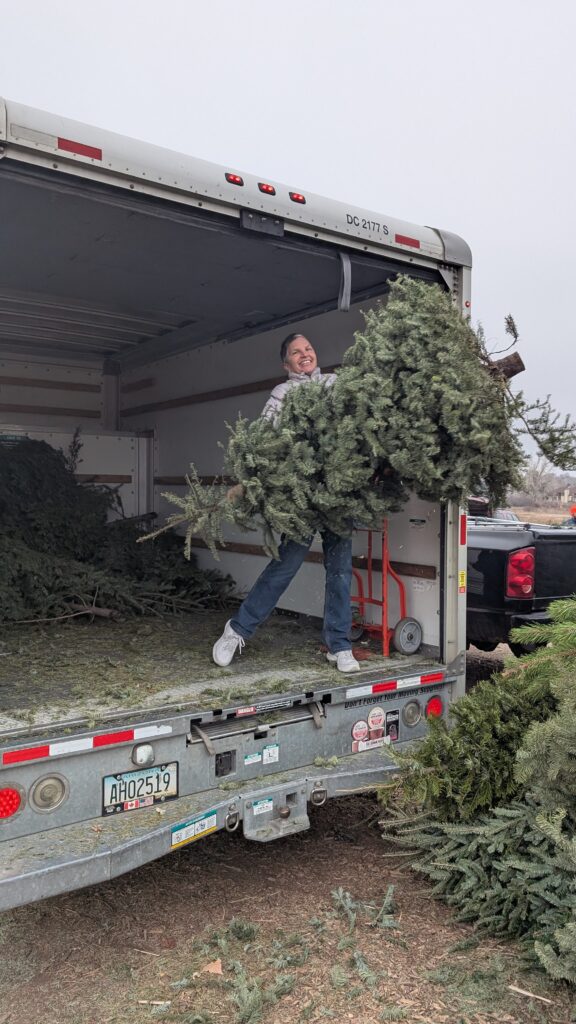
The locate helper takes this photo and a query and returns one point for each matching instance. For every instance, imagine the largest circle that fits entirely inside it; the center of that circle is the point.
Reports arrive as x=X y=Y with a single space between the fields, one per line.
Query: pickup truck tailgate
x=555 y=564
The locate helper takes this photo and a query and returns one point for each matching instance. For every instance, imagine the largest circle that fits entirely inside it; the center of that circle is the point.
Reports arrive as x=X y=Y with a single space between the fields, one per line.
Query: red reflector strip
x=432 y=677
x=27 y=754
x=406 y=240
x=85 y=743
x=383 y=687
x=113 y=737
x=463 y=529
x=80 y=149
x=405 y=683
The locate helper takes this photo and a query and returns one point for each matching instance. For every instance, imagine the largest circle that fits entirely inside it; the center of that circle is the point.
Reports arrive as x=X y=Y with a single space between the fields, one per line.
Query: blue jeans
x=272 y=583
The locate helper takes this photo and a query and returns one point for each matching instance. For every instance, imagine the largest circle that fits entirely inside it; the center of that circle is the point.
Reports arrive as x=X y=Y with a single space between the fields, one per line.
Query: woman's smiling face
x=300 y=356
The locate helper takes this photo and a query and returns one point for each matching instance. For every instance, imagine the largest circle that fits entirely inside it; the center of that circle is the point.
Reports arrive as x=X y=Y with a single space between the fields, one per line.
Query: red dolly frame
x=382 y=630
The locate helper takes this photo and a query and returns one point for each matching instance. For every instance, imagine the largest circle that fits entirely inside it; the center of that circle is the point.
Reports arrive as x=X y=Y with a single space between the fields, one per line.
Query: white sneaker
x=344 y=661
x=225 y=648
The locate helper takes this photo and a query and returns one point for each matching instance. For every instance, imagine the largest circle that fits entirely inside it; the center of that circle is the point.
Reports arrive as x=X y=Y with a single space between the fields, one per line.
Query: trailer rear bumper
x=94 y=851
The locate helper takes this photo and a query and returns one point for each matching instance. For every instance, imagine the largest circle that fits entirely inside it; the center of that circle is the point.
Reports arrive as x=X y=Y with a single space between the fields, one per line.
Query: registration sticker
x=128 y=791
x=194 y=829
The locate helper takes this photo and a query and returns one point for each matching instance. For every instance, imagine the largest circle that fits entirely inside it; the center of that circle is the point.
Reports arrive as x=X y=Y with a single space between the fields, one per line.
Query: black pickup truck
x=514 y=571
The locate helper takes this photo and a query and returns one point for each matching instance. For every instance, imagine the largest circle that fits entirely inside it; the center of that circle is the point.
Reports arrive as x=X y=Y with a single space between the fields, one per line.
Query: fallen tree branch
x=89 y=609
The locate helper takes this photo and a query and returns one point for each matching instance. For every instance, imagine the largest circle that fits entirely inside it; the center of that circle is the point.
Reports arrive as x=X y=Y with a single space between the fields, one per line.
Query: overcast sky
x=455 y=115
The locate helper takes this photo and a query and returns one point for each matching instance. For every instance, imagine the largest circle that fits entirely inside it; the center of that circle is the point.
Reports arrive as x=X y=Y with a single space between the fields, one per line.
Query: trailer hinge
x=317 y=712
x=205 y=739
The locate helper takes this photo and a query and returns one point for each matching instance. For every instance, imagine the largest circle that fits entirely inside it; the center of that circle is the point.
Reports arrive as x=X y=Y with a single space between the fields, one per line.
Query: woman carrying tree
x=300 y=362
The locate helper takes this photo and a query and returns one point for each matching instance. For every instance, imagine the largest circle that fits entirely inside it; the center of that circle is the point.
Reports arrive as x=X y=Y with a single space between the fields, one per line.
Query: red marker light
x=268 y=189
x=234 y=179
x=297 y=197
x=10 y=800
x=434 y=708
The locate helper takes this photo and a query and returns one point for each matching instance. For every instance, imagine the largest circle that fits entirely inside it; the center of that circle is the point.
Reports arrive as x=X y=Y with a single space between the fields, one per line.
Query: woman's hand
x=234 y=493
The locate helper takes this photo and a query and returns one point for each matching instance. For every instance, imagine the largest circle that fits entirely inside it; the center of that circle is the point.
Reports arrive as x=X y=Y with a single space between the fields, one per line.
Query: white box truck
x=143 y=298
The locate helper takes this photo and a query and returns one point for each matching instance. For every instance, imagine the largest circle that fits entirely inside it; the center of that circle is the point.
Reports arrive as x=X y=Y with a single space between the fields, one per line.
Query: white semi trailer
x=143 y=298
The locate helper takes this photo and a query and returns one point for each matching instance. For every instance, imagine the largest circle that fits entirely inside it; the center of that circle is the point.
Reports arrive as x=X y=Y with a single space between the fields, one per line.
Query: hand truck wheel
x=357 y=632
x=407 y=636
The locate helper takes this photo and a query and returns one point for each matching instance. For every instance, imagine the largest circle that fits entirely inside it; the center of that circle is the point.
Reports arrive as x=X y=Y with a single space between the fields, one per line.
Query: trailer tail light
x=234 y=179
x=10 y=801
x=268 y=189
x=520 y=573
x=434 y=708
x=297 y=197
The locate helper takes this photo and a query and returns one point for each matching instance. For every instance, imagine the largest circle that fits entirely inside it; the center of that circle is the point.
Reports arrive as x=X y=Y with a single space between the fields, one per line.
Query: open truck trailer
x=143 y=298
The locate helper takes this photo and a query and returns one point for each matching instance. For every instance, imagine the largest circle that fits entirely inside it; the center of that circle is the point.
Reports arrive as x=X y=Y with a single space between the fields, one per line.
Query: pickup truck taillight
x=520 y=573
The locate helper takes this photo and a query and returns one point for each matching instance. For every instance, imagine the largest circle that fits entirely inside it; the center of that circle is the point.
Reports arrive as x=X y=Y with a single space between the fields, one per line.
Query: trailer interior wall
x=41 y=390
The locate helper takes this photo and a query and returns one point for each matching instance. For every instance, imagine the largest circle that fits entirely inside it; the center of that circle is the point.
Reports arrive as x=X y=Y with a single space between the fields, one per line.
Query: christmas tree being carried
x=416 y=407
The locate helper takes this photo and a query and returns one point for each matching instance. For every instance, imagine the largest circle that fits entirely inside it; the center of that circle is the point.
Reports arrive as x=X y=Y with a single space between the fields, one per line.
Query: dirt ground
x=328 y=925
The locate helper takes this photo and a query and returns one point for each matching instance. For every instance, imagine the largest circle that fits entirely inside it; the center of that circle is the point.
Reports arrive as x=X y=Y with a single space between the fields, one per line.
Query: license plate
x=128 y=791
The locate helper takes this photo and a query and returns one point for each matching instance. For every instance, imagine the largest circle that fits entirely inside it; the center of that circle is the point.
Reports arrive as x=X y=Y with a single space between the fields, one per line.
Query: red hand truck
x=406 y=635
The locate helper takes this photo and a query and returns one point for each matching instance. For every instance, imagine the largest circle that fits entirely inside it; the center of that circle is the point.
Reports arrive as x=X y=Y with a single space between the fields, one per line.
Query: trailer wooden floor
x=86 y=669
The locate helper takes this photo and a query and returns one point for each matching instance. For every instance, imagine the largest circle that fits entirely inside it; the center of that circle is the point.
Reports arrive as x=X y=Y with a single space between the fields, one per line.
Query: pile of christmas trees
x=61 y=556
x=489 y=808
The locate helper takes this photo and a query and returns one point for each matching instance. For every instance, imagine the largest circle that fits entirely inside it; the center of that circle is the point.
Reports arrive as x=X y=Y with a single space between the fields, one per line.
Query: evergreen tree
x=417 y=406
x=470 y=767
x=511 y=871
x=546 y=762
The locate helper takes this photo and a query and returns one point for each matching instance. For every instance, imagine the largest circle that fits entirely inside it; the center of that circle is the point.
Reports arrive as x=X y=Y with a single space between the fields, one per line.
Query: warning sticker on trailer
x=359 y=745
x=194 y=829
x=266 y=705
x=392 y=726
x=262 y=806
x=462 y=581
x=271 y=753
x=254 y=758
x=369 y=733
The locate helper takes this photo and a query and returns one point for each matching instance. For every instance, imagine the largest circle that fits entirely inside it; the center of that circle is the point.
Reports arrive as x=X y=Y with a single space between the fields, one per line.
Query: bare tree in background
x=540 y=484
